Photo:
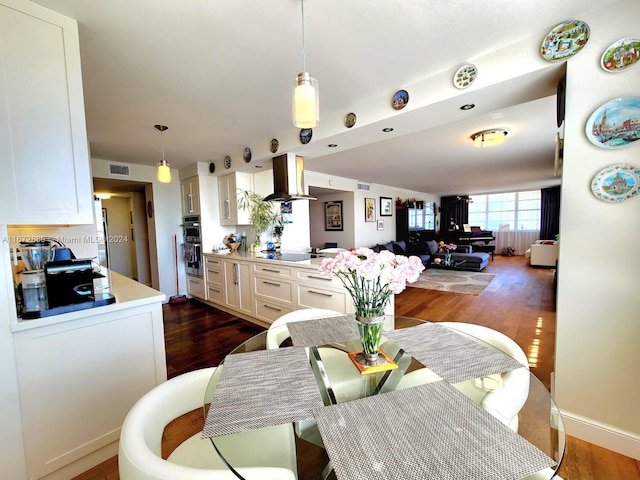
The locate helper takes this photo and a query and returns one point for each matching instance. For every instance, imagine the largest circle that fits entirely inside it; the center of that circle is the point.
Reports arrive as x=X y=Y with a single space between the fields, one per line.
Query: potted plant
x=262 y=215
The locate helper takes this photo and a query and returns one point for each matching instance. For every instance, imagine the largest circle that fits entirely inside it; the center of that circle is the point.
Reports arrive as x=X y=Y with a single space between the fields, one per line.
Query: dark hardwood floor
x=518 y=302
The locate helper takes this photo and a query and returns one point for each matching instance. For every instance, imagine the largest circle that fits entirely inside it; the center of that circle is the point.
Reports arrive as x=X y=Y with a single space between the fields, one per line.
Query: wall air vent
x=364 y=186
x=120 y=170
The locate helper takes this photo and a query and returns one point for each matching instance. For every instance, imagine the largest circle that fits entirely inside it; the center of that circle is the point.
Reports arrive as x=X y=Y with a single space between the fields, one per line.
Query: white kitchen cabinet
x=228 y=187
x=195 y=287
x=190 y=196
x=238 y=288
x=273 y=291
x=80 y=373
x=44 y=150
x=214 y=279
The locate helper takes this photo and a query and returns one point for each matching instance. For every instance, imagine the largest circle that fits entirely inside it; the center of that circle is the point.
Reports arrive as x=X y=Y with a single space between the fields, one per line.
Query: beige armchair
x=543 y=253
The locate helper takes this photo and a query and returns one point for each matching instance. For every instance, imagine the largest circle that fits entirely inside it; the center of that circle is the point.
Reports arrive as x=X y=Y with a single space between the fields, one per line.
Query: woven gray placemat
x=261 y=389
x=428 y=431
x=323 y=331
x=451 y=355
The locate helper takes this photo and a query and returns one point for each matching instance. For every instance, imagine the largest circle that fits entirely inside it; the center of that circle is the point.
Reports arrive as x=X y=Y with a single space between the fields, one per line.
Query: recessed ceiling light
x=387 y=130
x=332 y=145
x=467 y=106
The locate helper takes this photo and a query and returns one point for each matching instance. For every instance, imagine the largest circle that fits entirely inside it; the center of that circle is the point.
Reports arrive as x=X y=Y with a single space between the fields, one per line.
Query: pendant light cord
x=304 y=56
x=162 y=145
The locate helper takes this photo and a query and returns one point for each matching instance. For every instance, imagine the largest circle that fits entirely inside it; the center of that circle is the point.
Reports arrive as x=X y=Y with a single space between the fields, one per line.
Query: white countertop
x=128 y=293
x=311 y=263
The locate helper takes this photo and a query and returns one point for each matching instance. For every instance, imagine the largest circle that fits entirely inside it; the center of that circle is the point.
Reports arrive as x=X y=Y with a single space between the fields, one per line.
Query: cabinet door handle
x=319 y=278
x=190 y=202
x=272 y=308
x=271 y=283
x=270 y=270
x=235 y=274
x=227 y=209
x=320 y=293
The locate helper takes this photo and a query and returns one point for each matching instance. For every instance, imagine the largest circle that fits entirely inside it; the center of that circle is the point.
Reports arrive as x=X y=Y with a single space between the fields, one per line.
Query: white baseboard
x=606 y=436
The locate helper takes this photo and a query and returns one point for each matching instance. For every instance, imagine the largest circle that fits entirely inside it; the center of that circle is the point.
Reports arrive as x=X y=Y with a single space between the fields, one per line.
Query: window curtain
x=549 y=213
x=454 y=208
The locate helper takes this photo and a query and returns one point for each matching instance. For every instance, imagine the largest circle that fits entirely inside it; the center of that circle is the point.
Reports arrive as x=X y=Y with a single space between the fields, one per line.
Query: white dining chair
x=505 y=402
x=278 y=331
x=272 y=449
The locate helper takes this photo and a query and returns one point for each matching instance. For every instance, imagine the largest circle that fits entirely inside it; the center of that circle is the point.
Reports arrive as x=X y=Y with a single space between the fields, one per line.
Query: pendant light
x=164 y=169
x=306 y=105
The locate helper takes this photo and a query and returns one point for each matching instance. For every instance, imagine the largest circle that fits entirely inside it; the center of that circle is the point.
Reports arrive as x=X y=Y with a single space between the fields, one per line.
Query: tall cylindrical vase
x=370 y=332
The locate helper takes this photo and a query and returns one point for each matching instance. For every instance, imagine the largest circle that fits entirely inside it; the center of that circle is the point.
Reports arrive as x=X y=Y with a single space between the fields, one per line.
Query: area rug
x=471 y=283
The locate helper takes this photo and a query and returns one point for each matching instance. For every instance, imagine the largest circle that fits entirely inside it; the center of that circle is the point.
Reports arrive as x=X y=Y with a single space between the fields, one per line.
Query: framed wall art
x=369 y=209
x=333 y=216
x=386 y=206
x=380 y=224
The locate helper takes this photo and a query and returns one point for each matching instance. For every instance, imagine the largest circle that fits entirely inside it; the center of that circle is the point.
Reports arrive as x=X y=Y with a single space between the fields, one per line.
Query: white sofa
x=543 y=253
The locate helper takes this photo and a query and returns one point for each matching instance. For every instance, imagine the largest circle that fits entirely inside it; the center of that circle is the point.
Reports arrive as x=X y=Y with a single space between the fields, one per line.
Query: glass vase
x=370 y=332
x=447 y=258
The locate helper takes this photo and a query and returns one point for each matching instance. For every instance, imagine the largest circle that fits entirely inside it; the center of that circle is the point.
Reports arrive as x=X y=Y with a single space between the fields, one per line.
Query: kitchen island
x=261 y=287
x=81 y=372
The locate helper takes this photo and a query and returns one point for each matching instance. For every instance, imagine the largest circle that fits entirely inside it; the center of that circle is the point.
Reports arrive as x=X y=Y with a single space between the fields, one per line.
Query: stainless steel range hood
x=288 y=179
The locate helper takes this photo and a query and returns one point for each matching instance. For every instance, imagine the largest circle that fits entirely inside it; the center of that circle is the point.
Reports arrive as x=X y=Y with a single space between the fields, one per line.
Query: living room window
x=515 y=211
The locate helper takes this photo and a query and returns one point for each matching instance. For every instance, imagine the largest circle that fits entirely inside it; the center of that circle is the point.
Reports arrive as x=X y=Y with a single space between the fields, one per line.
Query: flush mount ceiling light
x=164 y=169
x=488 y=138
x=102 y=196
x=306 y=105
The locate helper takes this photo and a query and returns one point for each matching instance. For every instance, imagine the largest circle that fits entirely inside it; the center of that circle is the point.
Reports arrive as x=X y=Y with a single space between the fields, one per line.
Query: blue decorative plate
x=615 y=124
x=564 y=40
x=616 y=183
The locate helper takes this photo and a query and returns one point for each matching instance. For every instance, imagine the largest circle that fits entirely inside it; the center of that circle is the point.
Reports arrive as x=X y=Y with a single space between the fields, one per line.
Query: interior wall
x=141 y=235
x=345 y=238
x=597 y=385
x=166 y=222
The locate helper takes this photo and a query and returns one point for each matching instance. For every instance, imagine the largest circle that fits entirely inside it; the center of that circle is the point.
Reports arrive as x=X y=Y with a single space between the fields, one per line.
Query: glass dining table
x=455 y=406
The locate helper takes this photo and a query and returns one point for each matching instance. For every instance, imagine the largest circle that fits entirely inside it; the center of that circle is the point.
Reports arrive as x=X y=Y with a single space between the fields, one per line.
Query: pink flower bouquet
x=372 y=277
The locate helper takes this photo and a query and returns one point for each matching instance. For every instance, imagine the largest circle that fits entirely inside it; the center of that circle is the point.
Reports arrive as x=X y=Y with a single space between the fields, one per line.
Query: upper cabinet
x=228 y=187
x=190 y=196
x=44 y=153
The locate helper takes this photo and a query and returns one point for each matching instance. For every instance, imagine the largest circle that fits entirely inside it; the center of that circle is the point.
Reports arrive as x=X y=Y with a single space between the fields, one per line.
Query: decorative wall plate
x=305 y=135
x=616 y=183
x=561 y=100
x=350 y=120
x=465 y=76
x=400 y=99
x=212 y=167
x=247 y=155
x=564 y=40
x=615 y=124
x=274 y=145
x=227 y=162
x=621 y=54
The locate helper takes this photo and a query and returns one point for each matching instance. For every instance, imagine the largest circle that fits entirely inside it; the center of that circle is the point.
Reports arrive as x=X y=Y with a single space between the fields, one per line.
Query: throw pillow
x=389 y=246
x=376 y=249
x=433 y=247
x=399 y=248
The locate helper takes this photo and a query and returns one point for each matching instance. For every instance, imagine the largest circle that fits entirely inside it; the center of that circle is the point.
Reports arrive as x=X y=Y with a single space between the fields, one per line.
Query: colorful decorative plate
x=465 y=76
x=350 y=120
x=305 y=135
x=615 y=124
x=620 y=55
x=564 y=40
x=400 y=99
x=227 y=162
x=274 y=145
x=616 y=183
x=247 y=155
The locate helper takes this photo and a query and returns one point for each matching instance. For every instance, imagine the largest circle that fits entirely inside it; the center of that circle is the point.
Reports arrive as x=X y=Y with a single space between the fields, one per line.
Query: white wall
x=166 y=220
x=597 y=384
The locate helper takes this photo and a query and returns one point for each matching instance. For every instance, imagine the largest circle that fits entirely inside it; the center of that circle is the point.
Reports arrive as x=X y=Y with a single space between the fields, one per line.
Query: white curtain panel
x=519 y=240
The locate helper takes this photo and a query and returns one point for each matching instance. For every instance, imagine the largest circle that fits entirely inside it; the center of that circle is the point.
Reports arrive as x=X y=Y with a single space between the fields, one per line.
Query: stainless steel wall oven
x=192 y=246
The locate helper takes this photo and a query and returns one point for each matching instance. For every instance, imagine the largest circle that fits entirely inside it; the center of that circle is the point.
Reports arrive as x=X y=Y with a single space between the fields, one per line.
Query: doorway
x=124 y=242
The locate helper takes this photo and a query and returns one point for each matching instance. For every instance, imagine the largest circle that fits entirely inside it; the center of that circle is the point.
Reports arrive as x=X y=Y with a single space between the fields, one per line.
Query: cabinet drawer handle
x=271 y=283
x=270 y=270
x=214 y=290
x=272 y=308
x=320 y=293
x=319 y=278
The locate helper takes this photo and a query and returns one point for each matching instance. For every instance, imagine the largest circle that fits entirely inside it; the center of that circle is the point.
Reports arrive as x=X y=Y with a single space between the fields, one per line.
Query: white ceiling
x=219 y=74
